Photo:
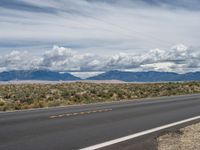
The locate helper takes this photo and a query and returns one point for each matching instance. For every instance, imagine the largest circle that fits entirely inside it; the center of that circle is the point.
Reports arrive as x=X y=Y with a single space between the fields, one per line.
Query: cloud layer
x=177 y=59
x=100 y=35
x=98 y=26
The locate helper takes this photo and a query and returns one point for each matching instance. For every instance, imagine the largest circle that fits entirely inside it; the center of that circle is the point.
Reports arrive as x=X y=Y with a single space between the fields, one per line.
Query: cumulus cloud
x=60 y=58
x=179 y=58
x=18 y=61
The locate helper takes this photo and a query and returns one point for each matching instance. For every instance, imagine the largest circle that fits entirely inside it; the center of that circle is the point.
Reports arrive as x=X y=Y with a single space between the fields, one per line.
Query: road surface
x=76 y=127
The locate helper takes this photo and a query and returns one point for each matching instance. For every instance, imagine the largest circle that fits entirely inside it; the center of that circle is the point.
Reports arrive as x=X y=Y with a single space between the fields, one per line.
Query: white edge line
x=125 y=138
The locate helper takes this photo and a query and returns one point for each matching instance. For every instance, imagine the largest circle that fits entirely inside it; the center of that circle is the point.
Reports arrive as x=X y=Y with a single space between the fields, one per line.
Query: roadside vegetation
x=26 y=96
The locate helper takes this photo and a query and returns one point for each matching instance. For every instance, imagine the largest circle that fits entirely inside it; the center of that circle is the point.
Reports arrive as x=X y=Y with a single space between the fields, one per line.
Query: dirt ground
x=187 y=138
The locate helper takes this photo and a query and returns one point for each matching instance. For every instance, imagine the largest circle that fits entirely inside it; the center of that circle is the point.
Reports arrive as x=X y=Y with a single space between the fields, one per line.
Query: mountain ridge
x=45 y=75
x=149 y=76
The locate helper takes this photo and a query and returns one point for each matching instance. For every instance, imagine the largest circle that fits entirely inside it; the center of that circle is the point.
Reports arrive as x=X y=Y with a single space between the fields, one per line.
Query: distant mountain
x=151 y=76
x=45 y=75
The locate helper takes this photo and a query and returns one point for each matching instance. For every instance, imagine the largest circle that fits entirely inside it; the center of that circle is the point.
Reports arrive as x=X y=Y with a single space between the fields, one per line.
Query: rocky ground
x=187 y=138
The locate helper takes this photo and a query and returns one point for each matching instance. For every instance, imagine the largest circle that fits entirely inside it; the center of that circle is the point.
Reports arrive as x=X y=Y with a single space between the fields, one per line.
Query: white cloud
x=177 y=59
x=18 y=61
x=164 y=66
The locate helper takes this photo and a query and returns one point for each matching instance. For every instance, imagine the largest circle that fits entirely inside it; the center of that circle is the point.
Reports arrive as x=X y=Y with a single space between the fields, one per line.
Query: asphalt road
x=76 y=127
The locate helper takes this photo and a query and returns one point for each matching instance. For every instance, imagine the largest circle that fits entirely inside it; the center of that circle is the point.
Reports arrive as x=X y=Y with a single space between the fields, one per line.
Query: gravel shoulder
x=187 y=138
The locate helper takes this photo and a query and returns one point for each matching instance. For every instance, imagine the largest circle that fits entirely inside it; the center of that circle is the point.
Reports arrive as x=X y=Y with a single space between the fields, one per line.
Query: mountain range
x=45 y=75
x=150 y=76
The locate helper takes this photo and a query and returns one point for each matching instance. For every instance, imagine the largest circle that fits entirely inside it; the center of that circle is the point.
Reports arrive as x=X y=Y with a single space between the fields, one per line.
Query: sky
x=100 y=35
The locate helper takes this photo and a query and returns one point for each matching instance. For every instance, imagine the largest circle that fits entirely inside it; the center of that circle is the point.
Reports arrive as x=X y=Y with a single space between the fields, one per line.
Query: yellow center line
x=75 y=114
x=79 y=113
x=52 y=117
x=88 y=112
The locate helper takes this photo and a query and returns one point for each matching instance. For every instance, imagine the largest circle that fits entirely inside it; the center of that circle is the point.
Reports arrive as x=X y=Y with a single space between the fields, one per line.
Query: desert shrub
x=25 y=96
x=2 y=103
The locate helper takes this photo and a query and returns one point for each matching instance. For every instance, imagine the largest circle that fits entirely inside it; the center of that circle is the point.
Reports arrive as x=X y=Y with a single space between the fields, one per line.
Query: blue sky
x=100 y=35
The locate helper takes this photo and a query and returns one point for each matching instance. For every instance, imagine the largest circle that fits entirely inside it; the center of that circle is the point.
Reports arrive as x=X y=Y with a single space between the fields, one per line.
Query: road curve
x=76 y=127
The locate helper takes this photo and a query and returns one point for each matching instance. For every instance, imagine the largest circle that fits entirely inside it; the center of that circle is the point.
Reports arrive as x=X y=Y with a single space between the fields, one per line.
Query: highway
x=81 y=126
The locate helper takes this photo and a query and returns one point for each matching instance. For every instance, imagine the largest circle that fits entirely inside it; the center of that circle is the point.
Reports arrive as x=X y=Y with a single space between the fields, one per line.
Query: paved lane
x=76 y=127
